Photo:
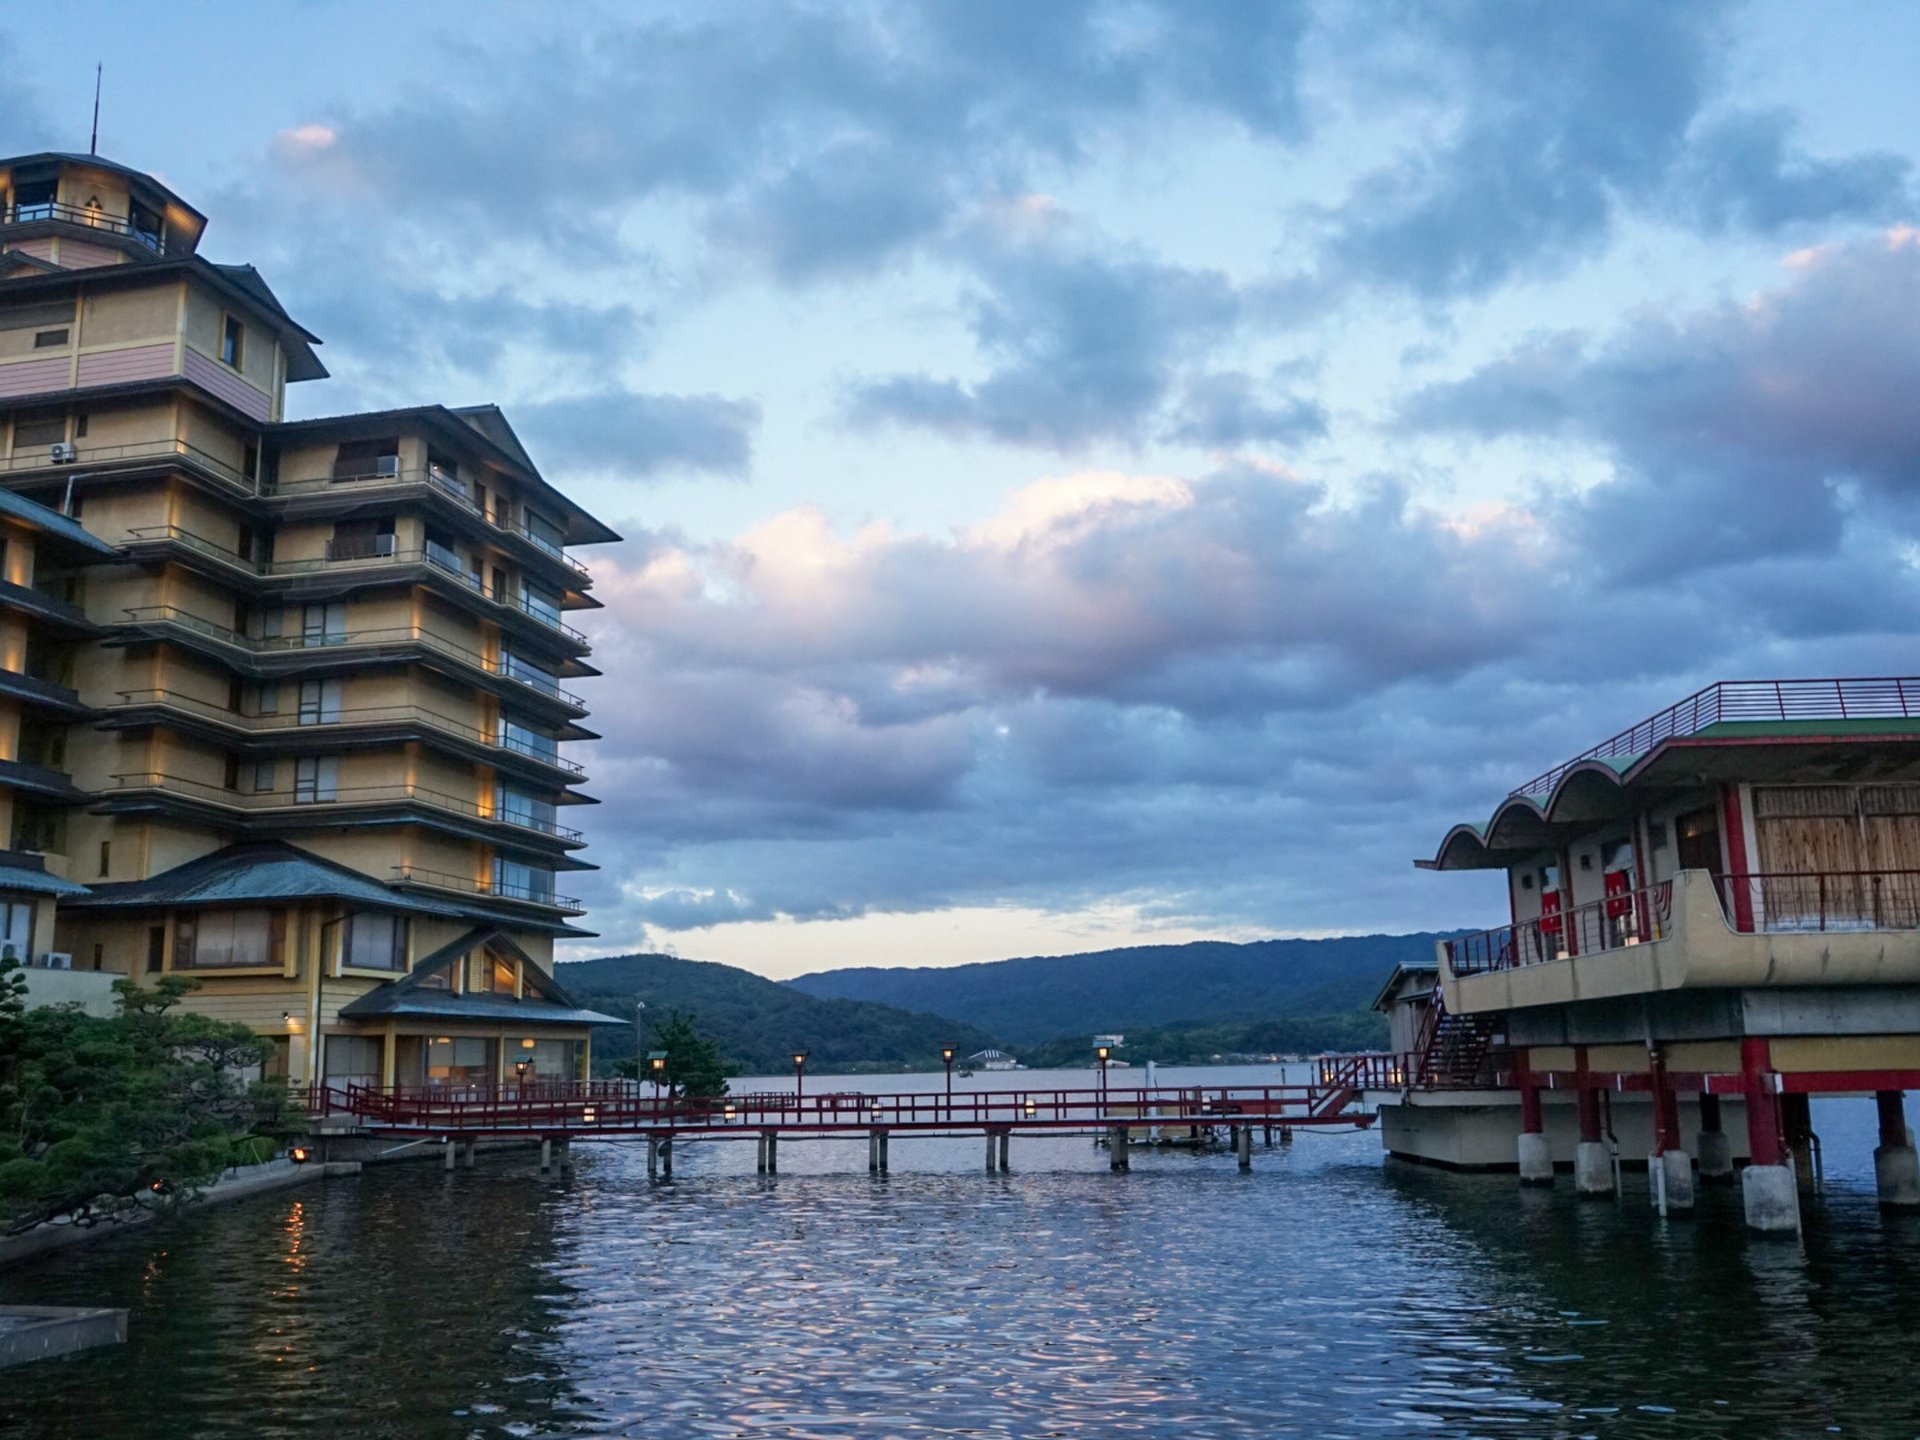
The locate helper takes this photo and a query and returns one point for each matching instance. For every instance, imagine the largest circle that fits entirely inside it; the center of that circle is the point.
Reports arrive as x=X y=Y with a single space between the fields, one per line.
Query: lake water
x=1328 y=1293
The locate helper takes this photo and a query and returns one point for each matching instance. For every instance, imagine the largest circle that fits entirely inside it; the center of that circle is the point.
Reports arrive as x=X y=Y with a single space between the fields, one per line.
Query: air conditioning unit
x=57 y=960
x=63 y=452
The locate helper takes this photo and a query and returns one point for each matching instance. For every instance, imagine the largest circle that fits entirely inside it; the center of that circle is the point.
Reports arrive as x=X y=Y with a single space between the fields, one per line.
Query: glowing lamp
x=299 y=1154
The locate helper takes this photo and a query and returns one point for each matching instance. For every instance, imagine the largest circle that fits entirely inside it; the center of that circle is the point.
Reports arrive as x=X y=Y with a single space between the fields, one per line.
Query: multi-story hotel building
x=281 y=702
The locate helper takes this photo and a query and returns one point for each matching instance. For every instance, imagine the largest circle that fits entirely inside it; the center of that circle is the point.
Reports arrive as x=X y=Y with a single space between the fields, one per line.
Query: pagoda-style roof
x=253 y=872
x=542 y=1002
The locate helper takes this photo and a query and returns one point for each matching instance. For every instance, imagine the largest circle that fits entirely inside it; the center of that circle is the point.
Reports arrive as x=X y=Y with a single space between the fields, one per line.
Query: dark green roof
x=257 y=870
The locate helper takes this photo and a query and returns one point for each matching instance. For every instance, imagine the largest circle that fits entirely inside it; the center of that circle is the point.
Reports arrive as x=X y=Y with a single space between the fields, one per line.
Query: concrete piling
x=1536 y=1160
x=1243 y=1145
x=992 y=1151
x=546 y=1153
x=1771 y=1198
x=1006 y=1141
x=1592 y=1169
x=449 y=1154
x=1896 y=1167
x=1715 y=1146
x=1671 y=1175
x=467 y=1158
x=1117 y=1141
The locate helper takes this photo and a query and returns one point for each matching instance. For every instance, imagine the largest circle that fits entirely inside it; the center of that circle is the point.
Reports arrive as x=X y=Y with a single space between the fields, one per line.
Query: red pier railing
x=614 y=1107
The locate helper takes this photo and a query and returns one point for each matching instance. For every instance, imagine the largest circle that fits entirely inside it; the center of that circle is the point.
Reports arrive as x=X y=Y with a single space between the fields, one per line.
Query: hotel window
x=519 y=668
x=522 y=882
x=516 y=807
x=49 y=339
x=375 y=941
x=30 y=432
x=145 y=224
x=16 y=930
x=38 y=827
x=233 y=341
x=35 y=199
x=323 y=624
x=320 y=702
x=445 y=473
x=522 y=738
x=491 y=974
x=316 y=778
x=229 y=939
x=367 y=459
x=545 y=533
x=540 y=602
x=265 y=775
x=441 y=551
x=362 y=539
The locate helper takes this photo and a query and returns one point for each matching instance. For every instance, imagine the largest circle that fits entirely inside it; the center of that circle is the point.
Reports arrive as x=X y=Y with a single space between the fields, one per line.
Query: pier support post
x=1006 y=1137
x=873 y=1152
x=992 y=1151
x=1536 y=1154
x=1767 y=1189
x=449 y=1153
x=1796 y=1121
x=666 y=1158
x=760 y=1154
x=653 y=1159
x=563 y=1154
x=1896 y=1168
x=1269 y=1135
x=1716 y=1146
x=466 y=1159
x=1592 y=1166
x=1675 y=1178
x=1243 y=1145
x=1117 y=1139
x=546 y=1153
x=1286 y=1134
x=769 y=1152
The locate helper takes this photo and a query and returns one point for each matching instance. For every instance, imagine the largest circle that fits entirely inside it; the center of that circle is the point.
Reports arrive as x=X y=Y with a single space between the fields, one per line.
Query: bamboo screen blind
x=1816 y=829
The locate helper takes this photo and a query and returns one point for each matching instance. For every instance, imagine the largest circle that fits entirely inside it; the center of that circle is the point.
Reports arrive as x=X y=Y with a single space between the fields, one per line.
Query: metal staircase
x=1452 y=1049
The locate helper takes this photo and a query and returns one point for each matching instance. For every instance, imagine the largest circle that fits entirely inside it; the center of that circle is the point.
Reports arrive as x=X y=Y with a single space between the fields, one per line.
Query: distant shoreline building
x=281 y=702
x=991 y=1060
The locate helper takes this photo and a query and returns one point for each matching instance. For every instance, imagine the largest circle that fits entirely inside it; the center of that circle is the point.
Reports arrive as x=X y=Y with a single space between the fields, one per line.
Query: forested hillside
x=758 y=1024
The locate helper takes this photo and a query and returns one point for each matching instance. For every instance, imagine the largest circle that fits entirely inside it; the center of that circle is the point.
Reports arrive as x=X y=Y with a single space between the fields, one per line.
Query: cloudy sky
x=1097 y=472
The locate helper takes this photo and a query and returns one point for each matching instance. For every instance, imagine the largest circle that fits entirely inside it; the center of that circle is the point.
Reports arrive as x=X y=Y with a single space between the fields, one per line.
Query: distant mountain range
x=1140 y=987
x=1188 y=1001
x=757 y=1023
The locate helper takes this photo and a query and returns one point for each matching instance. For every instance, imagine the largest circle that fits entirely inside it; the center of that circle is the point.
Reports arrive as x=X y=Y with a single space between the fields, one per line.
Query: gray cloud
x=1563 y=118
x=642 y=436
x=1083 y=347
x=1225 y=409
x=1737 y=427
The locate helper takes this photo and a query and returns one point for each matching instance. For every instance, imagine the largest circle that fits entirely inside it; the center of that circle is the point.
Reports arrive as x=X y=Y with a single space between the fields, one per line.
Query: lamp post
x=520 y=1069
x=657 y=1070
x=946 y=1059
x=799 y=1068
x=1103 y=1051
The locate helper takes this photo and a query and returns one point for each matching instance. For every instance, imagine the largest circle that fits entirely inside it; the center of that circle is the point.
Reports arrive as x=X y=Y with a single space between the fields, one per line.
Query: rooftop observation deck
x=1748 y=702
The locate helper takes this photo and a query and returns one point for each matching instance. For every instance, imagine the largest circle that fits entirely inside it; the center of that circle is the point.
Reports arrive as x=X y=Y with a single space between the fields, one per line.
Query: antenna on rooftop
x=93 y=144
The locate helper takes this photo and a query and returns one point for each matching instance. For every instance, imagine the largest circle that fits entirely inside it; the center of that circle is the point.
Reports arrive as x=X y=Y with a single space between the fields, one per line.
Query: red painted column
x=1763 y=1106
x=1589 y=1098
x=1893 y=1116
x=1666 y=1106
x=1530 y=1119
x=1733 y=827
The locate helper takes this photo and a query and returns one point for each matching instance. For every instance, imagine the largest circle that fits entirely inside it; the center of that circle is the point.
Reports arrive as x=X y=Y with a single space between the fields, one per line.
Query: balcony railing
x=91 y=457
x=1824 y=902
x=1750 y=700
x=92 y=217
x=1610 y=924
x=146 y=615
x=304 y=720
x=485 y=888
x=301 y=798
x=451 y=487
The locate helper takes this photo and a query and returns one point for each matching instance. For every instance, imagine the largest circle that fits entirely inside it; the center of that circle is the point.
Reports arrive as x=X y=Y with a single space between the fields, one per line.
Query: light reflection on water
x=1324 y=1294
